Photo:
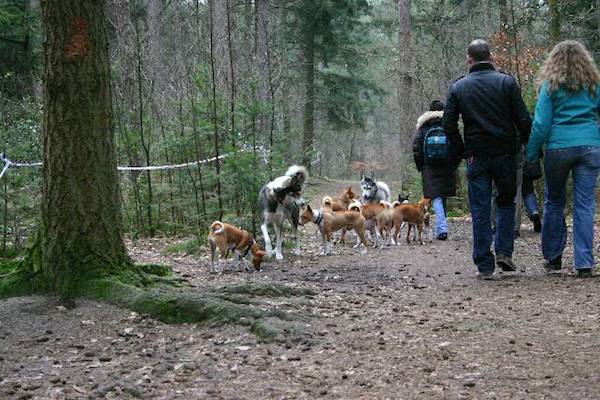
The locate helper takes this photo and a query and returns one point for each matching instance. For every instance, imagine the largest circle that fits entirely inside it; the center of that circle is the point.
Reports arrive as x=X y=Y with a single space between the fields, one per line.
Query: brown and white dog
x=341 y=201
x=330 y=222
x=412 y=214
x=226 y=238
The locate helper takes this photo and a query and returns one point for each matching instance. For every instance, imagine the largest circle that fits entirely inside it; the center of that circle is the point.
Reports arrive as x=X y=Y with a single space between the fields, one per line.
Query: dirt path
x=404 y=322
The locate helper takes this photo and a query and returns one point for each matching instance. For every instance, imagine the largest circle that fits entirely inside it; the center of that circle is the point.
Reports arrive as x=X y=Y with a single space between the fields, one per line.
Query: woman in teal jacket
x=566 y=125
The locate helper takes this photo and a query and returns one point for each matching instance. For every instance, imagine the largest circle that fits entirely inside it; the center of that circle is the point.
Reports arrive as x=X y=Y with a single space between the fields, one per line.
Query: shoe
x=584 y=273
x=487 y=276
x=537 y=223
x=442 y=236
x=505 y=263
x=553 y=265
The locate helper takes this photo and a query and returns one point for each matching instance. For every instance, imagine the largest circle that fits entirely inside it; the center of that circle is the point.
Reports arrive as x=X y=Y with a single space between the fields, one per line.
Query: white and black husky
x=279 y=200
x=374 y=191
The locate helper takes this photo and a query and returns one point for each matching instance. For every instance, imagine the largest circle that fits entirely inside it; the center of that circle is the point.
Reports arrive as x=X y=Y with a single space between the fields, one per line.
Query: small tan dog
x=341 y=201
x=370 y=212
x=227 y=237
x=329 y=222
x=412 y=214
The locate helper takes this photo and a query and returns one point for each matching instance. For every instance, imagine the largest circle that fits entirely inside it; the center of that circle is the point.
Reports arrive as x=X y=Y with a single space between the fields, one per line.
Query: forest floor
x=404 y=322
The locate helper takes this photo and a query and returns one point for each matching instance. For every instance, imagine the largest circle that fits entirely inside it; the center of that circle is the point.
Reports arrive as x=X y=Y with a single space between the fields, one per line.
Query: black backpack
x=436 y=146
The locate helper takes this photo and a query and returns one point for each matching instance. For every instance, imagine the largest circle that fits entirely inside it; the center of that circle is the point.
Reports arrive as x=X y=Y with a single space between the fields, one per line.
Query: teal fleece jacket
x=564 y=119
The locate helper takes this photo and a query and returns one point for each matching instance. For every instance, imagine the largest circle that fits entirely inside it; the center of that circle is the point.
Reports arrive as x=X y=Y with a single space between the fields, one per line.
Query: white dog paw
x=279 y=257
x=363 y=252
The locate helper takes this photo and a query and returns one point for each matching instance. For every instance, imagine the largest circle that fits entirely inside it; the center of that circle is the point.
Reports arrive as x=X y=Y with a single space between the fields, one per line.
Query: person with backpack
x=496 y=124
x=431 y=151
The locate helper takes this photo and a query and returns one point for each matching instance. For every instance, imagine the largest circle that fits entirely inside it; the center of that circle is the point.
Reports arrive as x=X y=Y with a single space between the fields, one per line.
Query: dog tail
x=355 y=206
x=217 y=227
x=298 y=170
x=396 y=204
x=327 y=200
x=386 y=204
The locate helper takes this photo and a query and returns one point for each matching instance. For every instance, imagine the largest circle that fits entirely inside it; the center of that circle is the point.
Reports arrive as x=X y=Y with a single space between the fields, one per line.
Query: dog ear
x=308 y=208
x=362 y=176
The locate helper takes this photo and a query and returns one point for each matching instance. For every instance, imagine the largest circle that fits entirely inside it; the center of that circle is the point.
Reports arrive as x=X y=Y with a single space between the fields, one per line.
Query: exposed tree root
x=153 y=290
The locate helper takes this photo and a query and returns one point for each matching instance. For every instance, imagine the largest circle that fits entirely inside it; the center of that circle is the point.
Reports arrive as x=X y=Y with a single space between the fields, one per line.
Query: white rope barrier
x=9 y=163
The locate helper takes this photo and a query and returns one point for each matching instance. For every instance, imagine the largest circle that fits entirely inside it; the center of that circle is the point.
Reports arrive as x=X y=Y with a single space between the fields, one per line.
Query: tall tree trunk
x=143 y=139
x=232 y=88
x=215 y=122
x=554 y=25
x=405 y=62
x=81 y=215
x=503 y=5
x=309 y=101
x=261 y=20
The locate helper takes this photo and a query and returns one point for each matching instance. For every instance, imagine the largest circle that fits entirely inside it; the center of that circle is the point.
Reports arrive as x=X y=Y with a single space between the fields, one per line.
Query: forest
x=138 y=135
x=335 y=85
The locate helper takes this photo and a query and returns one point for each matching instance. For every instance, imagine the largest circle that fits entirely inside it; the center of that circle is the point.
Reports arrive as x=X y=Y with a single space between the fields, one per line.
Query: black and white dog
x=374 y=191
x=279 y=200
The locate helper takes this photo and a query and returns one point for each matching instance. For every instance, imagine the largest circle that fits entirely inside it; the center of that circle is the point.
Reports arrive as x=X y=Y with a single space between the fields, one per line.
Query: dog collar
x=319 y=218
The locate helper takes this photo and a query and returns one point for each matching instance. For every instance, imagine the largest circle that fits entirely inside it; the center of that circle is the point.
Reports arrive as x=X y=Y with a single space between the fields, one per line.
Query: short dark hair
x=436 y=105
x=479 y=50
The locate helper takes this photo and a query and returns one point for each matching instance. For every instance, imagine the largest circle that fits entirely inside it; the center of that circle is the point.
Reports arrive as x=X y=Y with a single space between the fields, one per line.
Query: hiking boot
x=485 y=276
x=584 y=273
x=553 y=265
x=442 y=236
x=505 y=263
x=537 y=223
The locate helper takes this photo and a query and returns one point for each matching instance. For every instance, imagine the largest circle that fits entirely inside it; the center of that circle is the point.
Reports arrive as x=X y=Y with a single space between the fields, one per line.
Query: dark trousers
x=482 y=174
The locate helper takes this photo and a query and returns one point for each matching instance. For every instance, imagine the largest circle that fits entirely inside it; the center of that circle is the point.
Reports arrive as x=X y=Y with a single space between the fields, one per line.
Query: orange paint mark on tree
x=78 y=43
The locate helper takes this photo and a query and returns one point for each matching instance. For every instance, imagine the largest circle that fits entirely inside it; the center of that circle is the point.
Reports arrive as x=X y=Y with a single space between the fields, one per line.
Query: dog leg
x=323 y=244
x=360 y=232
x=236 y=260
x=246 y=264
x=265 y=232
x=213 y=249
x=278 y=239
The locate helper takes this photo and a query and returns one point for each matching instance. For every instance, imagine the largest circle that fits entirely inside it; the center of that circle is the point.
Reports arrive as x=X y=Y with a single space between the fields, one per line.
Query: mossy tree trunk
x=81 y=218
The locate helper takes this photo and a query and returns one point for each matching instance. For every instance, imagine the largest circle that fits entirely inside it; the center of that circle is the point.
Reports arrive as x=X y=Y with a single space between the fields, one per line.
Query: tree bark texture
x=262 y=61
x=309 y=101
x=213 y=70
x=503 y=6
x=404 y=66
x=81 y=215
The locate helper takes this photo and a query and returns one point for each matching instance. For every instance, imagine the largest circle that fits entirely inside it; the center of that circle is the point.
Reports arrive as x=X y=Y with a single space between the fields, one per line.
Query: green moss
x=154 y=269
x=274 y=329
x=265 y=289
x=152 y=290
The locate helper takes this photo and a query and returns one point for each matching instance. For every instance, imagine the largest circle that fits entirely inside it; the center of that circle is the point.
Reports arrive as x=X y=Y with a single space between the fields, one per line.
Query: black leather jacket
x=492 y=111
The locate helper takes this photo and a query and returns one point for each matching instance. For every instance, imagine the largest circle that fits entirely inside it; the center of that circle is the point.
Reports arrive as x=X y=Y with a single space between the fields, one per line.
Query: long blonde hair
x=571 y=67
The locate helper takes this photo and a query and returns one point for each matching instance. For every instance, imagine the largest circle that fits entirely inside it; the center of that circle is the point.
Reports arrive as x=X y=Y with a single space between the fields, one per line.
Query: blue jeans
x=584 y=162
x=441 y=225
x=481 y=173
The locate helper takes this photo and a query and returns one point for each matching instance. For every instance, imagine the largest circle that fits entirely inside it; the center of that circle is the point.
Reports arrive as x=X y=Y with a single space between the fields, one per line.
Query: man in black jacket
x=493 y=115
